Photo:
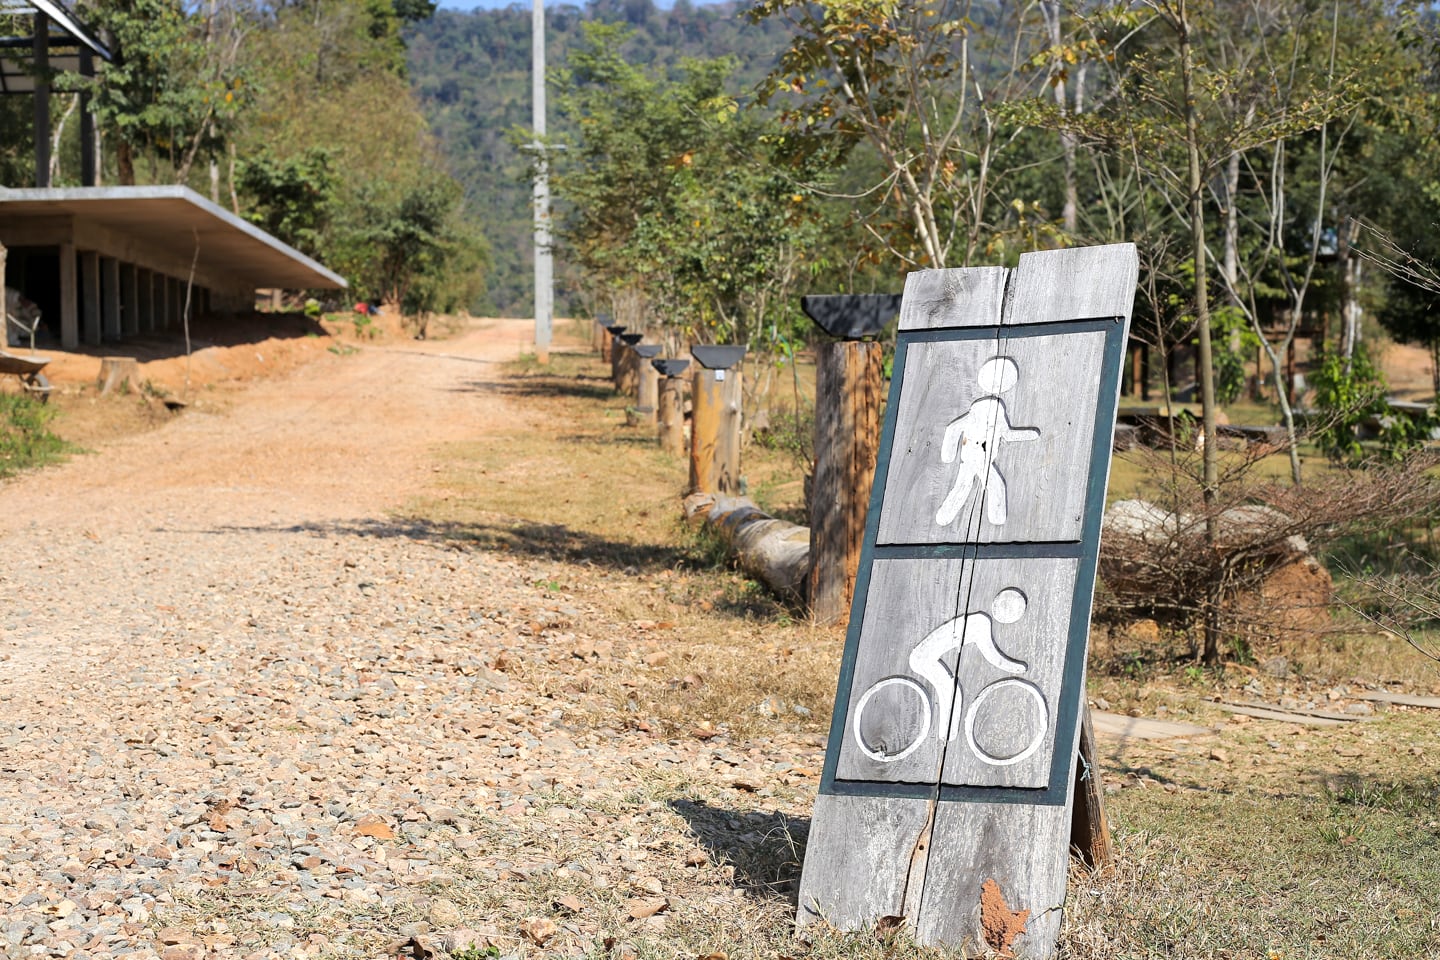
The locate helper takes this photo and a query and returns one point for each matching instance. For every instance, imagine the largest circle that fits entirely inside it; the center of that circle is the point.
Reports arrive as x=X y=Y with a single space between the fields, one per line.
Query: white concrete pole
x=544 y=270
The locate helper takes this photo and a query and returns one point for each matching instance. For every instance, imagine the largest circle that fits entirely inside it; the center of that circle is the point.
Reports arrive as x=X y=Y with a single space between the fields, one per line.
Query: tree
x=176 y=87
x=919 y=83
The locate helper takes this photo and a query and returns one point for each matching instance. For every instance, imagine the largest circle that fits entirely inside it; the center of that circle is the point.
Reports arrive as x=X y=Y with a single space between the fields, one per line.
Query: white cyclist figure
x=974 y=629
x=974 y=439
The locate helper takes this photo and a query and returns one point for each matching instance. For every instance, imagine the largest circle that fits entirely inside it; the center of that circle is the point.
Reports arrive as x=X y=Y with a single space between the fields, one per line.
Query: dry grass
x=573 y=483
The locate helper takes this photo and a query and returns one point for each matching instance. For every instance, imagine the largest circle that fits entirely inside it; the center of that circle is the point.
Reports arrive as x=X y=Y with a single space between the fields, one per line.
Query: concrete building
x=106 y=263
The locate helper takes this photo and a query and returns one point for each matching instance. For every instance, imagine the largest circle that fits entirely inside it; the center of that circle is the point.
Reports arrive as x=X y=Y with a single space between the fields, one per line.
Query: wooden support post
x=1089 y=827
x=647 y=390
x=109 y=298
x=608 y=344
x=715 y=429
x=672 y=416
x=849 y=380
x=598 y=334
x=627 y=365
x=90 y=297
x=69 y=299
x=129 y=302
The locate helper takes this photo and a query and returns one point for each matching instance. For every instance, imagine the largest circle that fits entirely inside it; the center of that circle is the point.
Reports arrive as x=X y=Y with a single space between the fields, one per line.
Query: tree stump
x=117 y=373
x=849 y=380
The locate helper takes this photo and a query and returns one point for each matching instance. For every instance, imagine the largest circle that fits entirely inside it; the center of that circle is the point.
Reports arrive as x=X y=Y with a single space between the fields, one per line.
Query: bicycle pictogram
x=927 y=661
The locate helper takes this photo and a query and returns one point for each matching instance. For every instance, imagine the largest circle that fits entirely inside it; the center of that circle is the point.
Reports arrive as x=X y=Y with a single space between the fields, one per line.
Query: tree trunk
x=124 y=163
x=1206 y=358
x=775 y=552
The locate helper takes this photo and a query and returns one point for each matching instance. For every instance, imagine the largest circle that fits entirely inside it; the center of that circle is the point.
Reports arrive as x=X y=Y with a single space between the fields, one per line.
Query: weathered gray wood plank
x=1024 y=848
x=1007 y=620
x=961 y=297
x=1051 y=286
x=1036 y=434
x=858 y=860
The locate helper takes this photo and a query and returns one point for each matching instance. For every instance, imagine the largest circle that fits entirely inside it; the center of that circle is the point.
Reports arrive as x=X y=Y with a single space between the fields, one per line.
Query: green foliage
x=471 y=72
x=1350 y=395
x=25 y=437
x=176 y=86
x=294 y=196
x=672 y=191
x=411 y=248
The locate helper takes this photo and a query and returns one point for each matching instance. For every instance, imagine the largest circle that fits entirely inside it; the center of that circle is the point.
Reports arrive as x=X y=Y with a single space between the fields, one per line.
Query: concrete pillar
x=162 y=302
x=109 y=298
x=145 y=297
x=41 y=53
x=129 y=303
x=90 y=297
x=69 y=299
x=177 y=303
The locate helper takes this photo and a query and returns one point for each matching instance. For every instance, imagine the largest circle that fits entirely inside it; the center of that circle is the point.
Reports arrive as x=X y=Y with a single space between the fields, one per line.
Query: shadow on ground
x=527 y=388
x=766 y=849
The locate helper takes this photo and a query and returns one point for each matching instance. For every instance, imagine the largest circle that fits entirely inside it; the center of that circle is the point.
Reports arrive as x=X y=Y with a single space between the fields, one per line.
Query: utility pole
x=544 y=269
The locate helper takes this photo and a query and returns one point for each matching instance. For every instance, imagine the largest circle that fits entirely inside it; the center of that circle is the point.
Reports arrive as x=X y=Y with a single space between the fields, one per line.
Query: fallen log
x=775 y=552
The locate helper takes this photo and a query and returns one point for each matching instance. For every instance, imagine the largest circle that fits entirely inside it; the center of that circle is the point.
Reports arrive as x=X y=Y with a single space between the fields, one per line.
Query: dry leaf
x=569 y=903
x=648 y=907
x=717 y=955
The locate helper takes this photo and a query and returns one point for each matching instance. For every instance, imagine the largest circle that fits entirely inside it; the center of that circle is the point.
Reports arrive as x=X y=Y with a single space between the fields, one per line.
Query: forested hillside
x=472 y=74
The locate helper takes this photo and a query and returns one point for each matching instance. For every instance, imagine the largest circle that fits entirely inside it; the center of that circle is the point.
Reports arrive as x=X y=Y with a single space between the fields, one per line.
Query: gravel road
x=249 y=715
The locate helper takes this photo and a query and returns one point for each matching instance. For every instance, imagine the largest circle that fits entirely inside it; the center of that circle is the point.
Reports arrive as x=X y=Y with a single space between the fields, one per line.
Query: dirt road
x=249 y=714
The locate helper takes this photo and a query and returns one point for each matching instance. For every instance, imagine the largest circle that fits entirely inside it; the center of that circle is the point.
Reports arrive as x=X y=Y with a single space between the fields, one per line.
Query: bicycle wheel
x=1029 y=749
x=877 y=748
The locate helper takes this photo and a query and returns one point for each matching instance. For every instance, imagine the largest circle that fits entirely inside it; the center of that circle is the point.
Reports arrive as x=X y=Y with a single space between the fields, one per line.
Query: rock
x=1360 y=709
x=465 y=939
x=538 y=930
x=444 y=913
x=373 y=826
x=647 y=885
x=1219 y=755
x=1276 y=667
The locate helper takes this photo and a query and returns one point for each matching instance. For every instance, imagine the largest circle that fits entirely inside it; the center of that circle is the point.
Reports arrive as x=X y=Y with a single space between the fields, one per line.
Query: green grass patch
x=25 y=438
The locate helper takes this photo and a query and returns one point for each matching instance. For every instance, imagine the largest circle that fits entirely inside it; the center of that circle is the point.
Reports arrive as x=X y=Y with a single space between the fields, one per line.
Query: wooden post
x=671 y=403
x=848 y=384
x=950 y=777
x=1089 y=828
x=607 y=345
x=715 y=419
x=849 y=379
x=647 y=385
x=627 y=365
x=598 y=333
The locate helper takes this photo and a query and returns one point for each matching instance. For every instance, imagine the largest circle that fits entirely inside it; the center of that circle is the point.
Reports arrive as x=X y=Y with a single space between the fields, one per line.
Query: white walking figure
x=927 y=660
x=975 y=437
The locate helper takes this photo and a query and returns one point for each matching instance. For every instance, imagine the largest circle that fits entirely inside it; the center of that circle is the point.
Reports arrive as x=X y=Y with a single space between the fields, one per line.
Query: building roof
x=174 y=220
x=68 y=34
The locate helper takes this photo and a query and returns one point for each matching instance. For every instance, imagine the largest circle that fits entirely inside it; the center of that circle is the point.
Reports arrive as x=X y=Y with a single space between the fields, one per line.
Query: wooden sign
x=949 y=779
